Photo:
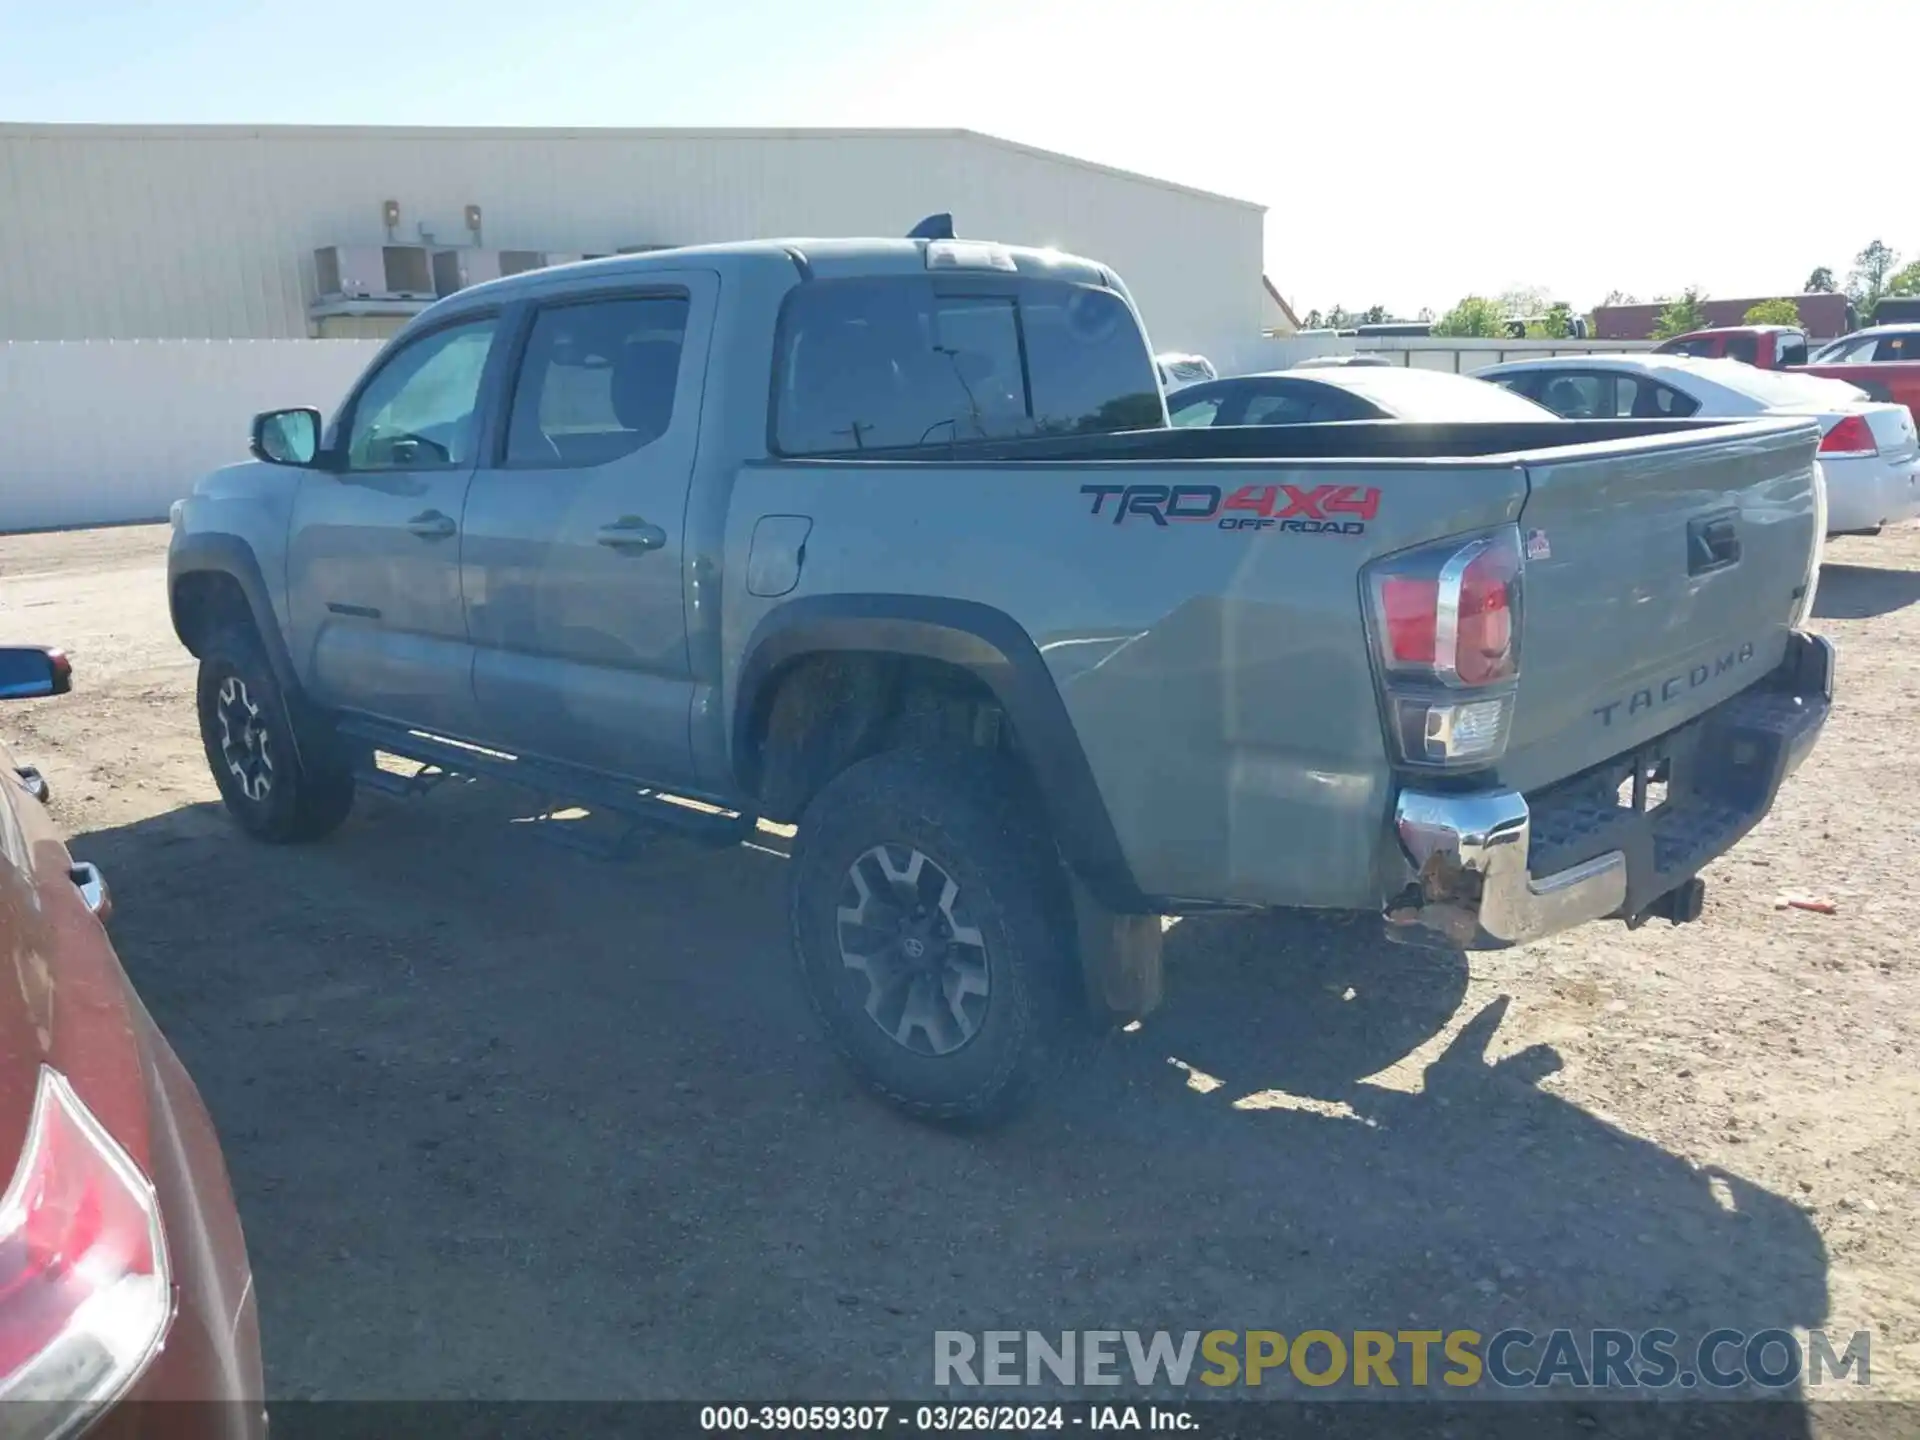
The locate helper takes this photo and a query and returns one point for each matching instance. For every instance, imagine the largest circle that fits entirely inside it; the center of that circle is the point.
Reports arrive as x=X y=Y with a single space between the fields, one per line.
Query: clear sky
x=1408 y=153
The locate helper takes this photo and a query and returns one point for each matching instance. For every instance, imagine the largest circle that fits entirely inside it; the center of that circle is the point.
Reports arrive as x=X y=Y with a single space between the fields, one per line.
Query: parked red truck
x=1883 y=361
x=1771 y=347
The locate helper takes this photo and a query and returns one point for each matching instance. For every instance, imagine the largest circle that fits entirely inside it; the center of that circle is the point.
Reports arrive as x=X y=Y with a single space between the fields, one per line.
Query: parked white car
x=1869 y=450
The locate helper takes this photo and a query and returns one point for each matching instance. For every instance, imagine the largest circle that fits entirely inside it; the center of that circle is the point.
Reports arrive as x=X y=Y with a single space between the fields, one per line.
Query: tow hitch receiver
x=1683 y=904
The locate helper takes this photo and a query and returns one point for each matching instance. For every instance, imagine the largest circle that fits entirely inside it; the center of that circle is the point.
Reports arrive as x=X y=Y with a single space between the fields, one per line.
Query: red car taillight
x=1849 y=438
x=1446 y=619
x=85 y=1294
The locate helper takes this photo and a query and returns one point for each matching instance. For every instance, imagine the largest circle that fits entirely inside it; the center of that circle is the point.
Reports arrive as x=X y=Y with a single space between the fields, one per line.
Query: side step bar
x=449 y=759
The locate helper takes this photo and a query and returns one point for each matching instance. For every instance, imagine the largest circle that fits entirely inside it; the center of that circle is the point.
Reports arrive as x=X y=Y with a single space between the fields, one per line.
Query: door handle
x=431 y=526
x=1713 y=543
x=630 y=532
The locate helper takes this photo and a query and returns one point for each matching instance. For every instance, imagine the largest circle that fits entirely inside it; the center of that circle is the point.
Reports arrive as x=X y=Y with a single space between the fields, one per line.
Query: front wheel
x=933 y=928
x=276 y=791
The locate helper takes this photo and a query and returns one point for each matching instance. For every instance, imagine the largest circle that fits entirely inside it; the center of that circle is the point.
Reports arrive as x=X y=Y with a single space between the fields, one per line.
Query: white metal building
x=164 y=232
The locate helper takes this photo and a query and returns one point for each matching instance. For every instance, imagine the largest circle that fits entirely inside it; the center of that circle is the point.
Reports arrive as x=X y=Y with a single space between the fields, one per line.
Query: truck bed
x=1213 y=660
x=1345 y=440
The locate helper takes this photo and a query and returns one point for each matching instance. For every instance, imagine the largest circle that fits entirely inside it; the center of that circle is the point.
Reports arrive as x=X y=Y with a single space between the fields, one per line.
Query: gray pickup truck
x=890 y=540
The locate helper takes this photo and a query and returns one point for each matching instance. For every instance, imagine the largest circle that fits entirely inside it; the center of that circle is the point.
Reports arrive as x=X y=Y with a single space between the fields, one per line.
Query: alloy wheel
x=244 y=743
x=903 y=927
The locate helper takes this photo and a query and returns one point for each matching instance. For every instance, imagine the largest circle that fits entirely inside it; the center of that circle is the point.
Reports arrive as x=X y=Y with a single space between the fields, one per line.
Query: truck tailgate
x=1661 y=579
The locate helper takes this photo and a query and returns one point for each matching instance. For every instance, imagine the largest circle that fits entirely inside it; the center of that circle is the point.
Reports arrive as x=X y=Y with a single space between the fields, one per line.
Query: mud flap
x=1120 y=959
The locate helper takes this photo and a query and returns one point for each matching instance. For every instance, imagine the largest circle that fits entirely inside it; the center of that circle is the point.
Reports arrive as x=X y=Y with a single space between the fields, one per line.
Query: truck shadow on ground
x=1860 y=592
x=505 y=1122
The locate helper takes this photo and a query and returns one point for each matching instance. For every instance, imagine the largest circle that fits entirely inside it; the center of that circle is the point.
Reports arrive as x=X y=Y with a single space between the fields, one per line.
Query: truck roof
x=1739 y=330
x=811 y=257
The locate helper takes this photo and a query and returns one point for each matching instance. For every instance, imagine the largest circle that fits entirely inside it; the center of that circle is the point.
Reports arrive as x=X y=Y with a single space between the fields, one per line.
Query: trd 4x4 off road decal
x=1305 y=510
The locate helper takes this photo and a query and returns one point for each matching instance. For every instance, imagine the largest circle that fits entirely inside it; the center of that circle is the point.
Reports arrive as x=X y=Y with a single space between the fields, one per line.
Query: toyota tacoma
x=890 y=540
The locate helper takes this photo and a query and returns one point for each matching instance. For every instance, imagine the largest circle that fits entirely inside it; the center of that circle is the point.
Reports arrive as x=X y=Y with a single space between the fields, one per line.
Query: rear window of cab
x=908 y=362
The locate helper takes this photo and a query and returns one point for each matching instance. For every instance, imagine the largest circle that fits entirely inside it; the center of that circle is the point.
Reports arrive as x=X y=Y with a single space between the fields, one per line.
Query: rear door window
x=1579 y=397
x=1897 y=347
x=1744 y=348
x=905 y=362
x=1637 y=397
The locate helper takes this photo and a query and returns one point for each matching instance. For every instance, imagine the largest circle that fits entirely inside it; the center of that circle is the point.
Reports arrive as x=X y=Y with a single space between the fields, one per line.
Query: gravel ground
x=505 y=1121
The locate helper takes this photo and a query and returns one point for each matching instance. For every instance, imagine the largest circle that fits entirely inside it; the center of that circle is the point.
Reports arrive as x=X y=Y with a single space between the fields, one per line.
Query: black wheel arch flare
x=991 y=646
x=215 y=552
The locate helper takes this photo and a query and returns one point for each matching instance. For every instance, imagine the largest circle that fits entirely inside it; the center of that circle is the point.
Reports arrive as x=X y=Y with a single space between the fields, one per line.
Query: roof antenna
x=934 y=227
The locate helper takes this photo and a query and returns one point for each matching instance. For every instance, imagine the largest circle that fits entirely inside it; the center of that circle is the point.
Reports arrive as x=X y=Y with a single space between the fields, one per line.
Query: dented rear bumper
x=1495 y=868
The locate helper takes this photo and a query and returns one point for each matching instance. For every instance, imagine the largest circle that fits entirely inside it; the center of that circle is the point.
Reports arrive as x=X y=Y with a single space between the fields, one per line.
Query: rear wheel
x=933 y=929
x=276 y=790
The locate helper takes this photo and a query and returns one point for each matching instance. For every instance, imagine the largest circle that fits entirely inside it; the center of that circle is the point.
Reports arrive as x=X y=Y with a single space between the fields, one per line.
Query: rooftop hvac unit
x=457 y=269
x=373 y=272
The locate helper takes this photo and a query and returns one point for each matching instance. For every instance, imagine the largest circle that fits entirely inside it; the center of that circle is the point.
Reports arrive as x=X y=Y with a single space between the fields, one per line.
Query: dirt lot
x=505 y=1121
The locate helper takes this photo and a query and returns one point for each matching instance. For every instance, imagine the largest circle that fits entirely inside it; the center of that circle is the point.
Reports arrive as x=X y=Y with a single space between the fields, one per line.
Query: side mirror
x=287 y=437
x=29 y=671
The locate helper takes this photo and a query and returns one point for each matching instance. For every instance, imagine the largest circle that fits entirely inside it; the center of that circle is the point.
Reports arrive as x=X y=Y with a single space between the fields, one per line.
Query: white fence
x=96 y=432
x=1422 y=352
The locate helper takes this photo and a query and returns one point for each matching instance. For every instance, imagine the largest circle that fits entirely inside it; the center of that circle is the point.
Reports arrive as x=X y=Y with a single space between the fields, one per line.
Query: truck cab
x=1769 y=347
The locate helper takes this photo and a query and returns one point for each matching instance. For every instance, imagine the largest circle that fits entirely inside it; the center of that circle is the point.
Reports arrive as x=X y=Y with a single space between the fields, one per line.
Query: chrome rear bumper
x=1473 y=853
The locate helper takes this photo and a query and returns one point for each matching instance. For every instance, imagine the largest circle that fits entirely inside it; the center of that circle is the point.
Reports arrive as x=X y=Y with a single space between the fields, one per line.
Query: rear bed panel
x=1637 y=619
x=1217 y=679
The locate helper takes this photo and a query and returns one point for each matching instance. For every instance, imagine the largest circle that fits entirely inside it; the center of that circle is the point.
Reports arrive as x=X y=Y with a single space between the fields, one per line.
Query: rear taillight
x=1851 y=436
x=85 y=1295
x=1446 y=621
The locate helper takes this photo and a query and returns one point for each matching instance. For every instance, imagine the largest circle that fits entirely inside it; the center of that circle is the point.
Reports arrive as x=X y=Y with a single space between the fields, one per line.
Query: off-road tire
x=973 y=816
x=308 y=788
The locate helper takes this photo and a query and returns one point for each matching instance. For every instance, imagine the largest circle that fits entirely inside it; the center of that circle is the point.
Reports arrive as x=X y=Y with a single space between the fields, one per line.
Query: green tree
x=1820 y=282
x=1905 y=282
x=1426 y=314
x=1557 y=324
x=1772 y=312
x=1522 y=301
x=1868 y=282
x=1337 y=318
x=1373 y=315
x=1681 y=315
x=1475 y=315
